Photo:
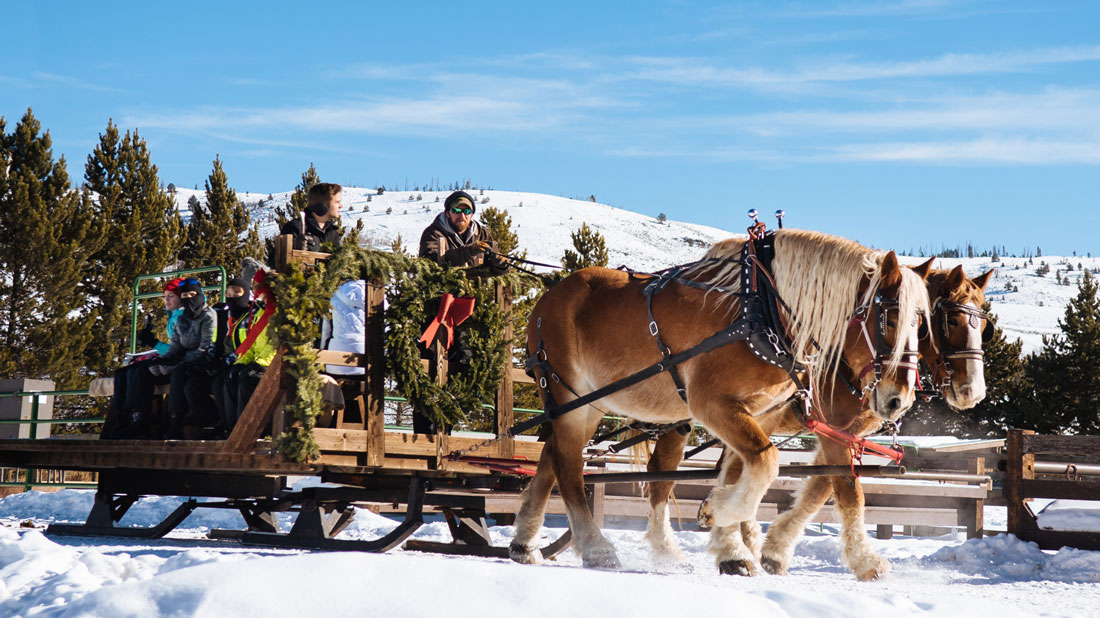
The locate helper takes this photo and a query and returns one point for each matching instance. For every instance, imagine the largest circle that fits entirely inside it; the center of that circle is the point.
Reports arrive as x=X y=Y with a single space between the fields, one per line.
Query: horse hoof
x=773 y=566
x=705 y=517
x=669 y=555
x=872 y=568
x=872 y=574
x=602 y=560
x=523 y=555
x=737 y=567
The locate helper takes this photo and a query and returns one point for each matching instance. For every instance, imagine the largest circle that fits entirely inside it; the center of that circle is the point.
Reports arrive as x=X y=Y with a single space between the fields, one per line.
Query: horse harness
x=948 y=352
x=761 y=325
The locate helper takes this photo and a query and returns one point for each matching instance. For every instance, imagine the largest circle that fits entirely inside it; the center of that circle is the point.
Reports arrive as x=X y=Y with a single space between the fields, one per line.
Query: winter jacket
x=262 y=350
x=446 y=247
x=192 y=337
x=173 y=316
x=313 y=236
x=346 y=332
x=238 y=329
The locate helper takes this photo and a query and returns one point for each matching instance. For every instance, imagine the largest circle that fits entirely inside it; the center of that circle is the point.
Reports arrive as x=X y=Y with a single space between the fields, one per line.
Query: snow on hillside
x=1035 y=304
x=544 y=224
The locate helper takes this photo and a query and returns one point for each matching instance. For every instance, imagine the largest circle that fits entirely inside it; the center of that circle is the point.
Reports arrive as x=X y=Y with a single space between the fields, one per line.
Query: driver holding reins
x=454 y=239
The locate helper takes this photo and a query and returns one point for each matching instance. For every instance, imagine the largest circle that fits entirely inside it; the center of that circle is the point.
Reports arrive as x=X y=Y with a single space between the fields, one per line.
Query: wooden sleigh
x=361 y=463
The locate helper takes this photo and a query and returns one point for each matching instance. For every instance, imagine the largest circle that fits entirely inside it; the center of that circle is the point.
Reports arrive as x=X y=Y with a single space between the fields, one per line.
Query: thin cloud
x=873 y=9
x=1059 y=110
x=693 y=72
x=994 y=150
x=72 y=82
x=991 y=151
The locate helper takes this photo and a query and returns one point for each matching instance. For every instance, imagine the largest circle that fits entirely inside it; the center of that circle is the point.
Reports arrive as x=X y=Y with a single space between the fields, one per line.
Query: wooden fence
x=1022 y=483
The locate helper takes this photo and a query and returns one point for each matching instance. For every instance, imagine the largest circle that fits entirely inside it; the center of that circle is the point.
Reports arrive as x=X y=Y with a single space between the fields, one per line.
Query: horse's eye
x=953 y=322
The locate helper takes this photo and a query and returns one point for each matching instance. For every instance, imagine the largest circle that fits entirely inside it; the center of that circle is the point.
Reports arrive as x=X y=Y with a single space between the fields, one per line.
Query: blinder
x=922 y=329
x=987 y=332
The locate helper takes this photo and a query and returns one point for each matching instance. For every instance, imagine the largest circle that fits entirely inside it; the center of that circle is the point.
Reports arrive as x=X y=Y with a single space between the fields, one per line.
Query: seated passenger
x=203 y=384
x=242 y=312
x=345 y=330
x=121 y=415
x=193 y=337
x=318 y=223
x=253 y=354
x=455 y=240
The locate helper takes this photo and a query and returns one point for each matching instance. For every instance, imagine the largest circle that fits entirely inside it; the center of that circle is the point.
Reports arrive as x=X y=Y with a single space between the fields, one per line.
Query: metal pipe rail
x=706 y=475
x=1061 y=468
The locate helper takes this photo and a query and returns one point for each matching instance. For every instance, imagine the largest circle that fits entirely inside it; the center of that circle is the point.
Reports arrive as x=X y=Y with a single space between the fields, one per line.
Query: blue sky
x=900 y=124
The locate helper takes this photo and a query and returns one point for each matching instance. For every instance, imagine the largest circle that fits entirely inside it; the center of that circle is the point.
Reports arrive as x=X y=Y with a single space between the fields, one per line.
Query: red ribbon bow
x=452 y=312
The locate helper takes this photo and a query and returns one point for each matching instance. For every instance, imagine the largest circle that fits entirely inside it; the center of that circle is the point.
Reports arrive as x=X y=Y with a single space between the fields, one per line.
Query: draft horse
x=596 y=327
x=952 y=350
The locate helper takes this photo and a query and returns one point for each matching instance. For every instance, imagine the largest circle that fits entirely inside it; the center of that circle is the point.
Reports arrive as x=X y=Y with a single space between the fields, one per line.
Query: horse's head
x=958 y=329
x=881 y=343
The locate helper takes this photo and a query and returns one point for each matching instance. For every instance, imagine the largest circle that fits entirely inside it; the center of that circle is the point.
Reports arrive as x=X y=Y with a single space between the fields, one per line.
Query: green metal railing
x=28 y=479
x=219 y=287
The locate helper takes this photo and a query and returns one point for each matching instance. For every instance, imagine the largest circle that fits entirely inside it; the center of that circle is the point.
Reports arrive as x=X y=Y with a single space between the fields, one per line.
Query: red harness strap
x=857 y=445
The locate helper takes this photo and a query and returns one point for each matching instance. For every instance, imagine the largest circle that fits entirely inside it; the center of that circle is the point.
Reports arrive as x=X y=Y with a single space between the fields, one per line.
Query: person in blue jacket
x=120 y=416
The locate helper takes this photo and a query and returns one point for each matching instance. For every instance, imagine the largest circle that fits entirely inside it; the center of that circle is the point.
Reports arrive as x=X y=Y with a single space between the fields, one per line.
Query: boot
x=136 y=429
x=175 y=427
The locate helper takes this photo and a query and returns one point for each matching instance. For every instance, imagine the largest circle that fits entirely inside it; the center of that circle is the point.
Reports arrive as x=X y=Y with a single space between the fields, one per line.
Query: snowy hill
x=545 y=222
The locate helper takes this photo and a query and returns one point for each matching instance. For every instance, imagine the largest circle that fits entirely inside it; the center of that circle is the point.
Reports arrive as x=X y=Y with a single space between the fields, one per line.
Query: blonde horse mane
x=818 y=276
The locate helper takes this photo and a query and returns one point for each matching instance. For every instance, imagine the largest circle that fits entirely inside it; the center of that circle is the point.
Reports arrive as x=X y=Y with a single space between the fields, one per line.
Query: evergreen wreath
x=414 y=287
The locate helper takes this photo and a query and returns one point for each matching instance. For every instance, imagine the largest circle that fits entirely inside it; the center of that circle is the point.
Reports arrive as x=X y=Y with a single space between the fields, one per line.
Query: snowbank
x=187 y=575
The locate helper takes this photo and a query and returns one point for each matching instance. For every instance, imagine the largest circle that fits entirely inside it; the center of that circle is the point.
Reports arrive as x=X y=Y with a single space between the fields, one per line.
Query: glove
x=159 y=370
x=230 y=359
x=145 y=336
x=481 y=246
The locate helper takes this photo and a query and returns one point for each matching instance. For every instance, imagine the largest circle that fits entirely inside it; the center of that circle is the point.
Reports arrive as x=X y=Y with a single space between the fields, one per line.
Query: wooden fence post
x=505 y=401
x=1018 y=466
x=374 y=410
x=973 y=516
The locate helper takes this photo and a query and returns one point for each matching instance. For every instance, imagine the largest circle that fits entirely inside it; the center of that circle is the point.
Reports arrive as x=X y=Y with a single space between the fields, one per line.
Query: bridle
x=941 y=310
x=880 y=351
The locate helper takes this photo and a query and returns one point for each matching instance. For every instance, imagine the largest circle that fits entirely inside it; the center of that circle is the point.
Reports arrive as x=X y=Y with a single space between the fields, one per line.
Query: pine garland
x=414 y=287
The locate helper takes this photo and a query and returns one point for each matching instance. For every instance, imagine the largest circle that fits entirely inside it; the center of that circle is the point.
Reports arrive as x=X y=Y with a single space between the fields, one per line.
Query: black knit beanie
x=457 y=195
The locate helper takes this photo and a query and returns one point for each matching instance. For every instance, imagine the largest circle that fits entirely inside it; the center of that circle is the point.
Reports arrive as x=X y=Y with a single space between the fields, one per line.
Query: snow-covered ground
x=186 y=575
x=544 y=223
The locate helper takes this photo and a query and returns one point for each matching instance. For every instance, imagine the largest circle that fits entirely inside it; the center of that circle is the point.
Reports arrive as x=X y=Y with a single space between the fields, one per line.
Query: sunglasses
x=461 y=211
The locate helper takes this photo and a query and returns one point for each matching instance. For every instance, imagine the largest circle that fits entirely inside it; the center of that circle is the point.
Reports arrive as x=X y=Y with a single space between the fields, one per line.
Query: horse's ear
x=891 y=270
x=955 y=277
x=923 y=269
x=983 y=279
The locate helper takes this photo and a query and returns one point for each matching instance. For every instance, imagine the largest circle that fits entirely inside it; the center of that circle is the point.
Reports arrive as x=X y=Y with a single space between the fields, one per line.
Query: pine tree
x=220 y=232
x=397 y=246
x=499 y=224
x=299 y=199
x=48 y=232
x=144 y=233
x=1066 y=374
x=590 y=250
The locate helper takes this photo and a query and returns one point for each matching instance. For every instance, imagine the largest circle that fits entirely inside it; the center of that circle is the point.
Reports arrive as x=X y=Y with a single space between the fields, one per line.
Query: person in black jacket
x=318 y=223
x=454 y=239
x=193 y=339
